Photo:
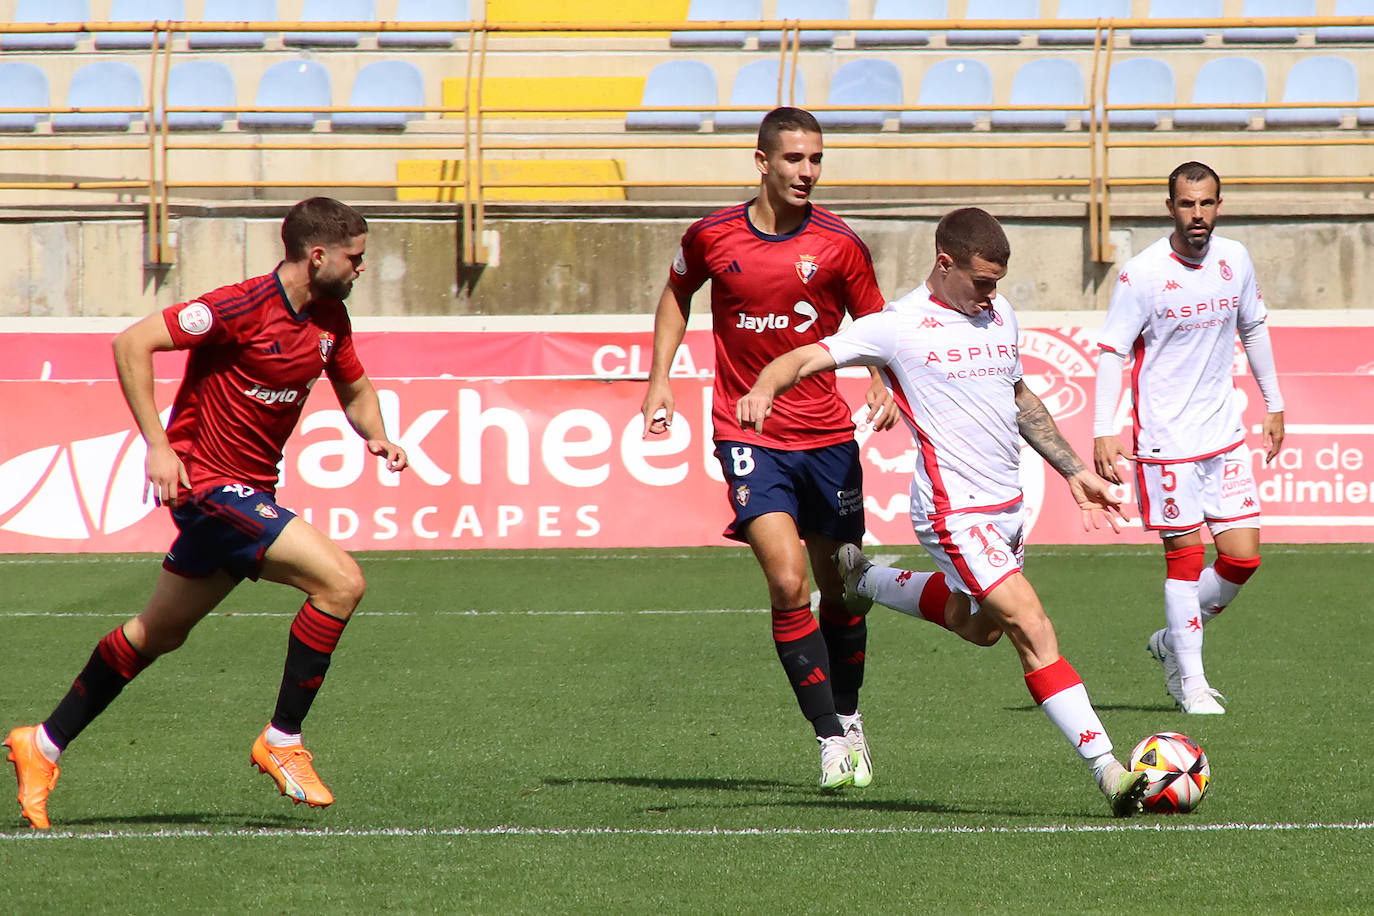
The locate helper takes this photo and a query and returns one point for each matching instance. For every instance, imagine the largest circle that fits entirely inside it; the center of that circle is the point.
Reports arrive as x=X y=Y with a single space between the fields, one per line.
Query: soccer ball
x=1179 y=772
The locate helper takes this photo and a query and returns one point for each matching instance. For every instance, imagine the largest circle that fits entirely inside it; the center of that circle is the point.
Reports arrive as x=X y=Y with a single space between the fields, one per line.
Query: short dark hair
x=1192 y=171
x=781 y=119
x=319 y=221
x=964 y=233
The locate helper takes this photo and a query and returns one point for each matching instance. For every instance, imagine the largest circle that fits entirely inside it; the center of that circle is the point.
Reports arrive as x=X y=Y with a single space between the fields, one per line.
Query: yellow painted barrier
x=537 y=179
x=626 y=11
x=518 y=92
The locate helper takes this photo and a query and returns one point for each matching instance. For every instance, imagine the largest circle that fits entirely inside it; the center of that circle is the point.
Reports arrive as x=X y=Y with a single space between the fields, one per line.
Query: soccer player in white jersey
x=949 y=350
x=1176 y=309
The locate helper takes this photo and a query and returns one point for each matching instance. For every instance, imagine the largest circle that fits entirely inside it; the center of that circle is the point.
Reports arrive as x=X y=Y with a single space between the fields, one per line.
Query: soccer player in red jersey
x=784 y=273
x=257 y=348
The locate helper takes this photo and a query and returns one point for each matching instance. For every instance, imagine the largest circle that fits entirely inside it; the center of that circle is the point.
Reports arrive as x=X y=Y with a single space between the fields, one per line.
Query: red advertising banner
x=523 y=439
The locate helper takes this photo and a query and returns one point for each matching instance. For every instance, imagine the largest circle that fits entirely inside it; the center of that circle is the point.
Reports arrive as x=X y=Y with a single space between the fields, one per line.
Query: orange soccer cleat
x=36 y=774
x=290 y=768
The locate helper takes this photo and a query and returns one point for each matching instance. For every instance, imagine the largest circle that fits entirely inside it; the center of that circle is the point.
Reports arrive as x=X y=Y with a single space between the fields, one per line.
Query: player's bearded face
x=791 y=171
x=339 y=266
x=1194 y=209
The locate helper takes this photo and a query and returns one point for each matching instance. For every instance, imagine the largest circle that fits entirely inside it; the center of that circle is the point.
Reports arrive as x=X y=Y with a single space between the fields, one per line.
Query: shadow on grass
x=1110 y=707
x=188 y=819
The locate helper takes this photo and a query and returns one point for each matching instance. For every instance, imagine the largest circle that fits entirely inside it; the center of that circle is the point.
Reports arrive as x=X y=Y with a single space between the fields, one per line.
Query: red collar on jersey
x=1191 y=265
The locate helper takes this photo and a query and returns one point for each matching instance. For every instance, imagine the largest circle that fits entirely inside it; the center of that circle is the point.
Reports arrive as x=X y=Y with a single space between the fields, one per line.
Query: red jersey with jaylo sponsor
x=252 y=364
x=771 y=294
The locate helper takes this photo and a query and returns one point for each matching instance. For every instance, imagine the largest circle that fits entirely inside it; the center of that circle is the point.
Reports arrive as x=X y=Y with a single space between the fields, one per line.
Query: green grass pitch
x=609 y=731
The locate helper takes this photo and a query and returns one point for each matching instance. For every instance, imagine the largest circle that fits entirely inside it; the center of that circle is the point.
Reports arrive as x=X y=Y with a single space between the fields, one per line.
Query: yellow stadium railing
x=471 y=126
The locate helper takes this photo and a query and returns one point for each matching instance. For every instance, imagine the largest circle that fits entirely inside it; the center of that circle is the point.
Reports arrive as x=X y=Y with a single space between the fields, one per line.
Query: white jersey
x=1179 y=320
x=953 y=376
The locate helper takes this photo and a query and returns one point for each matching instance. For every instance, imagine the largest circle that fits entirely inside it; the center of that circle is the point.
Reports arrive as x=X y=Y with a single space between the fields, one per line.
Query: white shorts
x=975 y=550
x=1178 y=498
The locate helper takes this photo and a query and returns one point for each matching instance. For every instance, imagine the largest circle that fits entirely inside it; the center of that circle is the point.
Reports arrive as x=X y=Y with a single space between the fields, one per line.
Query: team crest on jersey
x=1170 y=509
x=680 y=264
x=742 y=495
x=195 y=319
x=806 y=267
x=326 y=345
x=996 y=318
x=1225 y=270
x=997 y=558
x=265 y=510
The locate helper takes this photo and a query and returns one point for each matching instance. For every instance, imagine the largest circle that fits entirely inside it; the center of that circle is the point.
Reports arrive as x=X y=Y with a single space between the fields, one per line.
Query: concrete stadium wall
x=614 y=260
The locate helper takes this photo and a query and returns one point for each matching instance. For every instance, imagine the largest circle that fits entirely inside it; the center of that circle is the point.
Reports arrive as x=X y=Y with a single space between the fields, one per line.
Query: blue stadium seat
x=1316 y=79
x=386 y=84
x=36 y=11
x=717 y=11
x=234 y=11
x=103 y=84
x=425 y=11
x=1046 y=81
x=1270 y=9
x=1177 y=9
x=1140 y=81
x=1349 y=34
x=960 y=81
x=1225 y=80
x=289 y=84
x=756 y=84
x=815 y=10
x=676 y=82
x=204 y=85
x=913 y=10
x=331 y=11
x=1084 y=9
x=994 y=9
x=139 y=11
x=23 y=86
x=866 y=81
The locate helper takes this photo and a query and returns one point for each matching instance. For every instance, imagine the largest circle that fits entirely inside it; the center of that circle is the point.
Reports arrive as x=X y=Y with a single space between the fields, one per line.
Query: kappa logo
x=904 y=577
x=1225 y=270
x=1171 y=285
x=74 y=490
x=1087 y=736
x=806 y=267
x=930 y=321
x=1195 y=625
x=1124 y=279
x=1248 y=504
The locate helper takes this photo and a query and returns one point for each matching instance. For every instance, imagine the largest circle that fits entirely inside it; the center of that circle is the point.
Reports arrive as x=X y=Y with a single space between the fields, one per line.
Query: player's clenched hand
x=395 y=455
x=882 y=407
x=1094 y=497
x=752 y=409
x=1107 y=454
x=167 y=476
x=657 y=409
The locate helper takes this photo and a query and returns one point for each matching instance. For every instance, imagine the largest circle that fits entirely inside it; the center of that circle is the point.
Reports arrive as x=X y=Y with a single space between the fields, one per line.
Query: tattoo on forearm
x=1038 y=429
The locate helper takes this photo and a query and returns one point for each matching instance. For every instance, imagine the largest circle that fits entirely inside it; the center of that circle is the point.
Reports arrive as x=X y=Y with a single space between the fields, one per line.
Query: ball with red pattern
x=1178 y=769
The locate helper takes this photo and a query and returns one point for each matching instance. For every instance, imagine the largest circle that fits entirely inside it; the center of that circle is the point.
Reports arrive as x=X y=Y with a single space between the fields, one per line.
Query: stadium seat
x=676 y=82
x=717 y=11
x=1177 y=9
x=994 y=9
x=866 y=81
x=425 y=11
x=22 y=86
x=36 y=11
x=233 y=11
x=757 y=84
x=1349 y=34
x=103 y=84
x=138 y=11
x=204 y=85
x=913 y=10
x=331 y=11
x=1224 y=81
x=814 y=10
x=1084 y=9
x=1140 y=81
x=386 y=84
x=960 y=81
x=1316 y=79
x=289 y=84
x=1046 y=81
x=1270 y=9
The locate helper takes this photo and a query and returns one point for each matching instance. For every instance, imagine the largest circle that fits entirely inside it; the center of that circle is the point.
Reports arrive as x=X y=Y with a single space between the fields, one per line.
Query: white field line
x=727 y=832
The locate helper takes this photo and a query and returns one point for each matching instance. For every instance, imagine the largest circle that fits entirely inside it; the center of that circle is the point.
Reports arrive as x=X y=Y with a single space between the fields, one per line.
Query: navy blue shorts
x=228 y=528
x=821 y=488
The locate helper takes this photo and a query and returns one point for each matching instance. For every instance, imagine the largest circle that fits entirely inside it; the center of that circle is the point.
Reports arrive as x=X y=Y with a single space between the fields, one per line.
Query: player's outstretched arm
x=779 y=376
x=670 y=326
x=1091 y=492
x=359 y=402
x=133 y=352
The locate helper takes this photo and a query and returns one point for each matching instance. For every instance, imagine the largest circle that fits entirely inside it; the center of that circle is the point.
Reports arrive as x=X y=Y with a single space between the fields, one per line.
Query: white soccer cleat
x=858 y=743
x=837 y=762
x=1173 y=679
x=1203 y=703
x=852 y=564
